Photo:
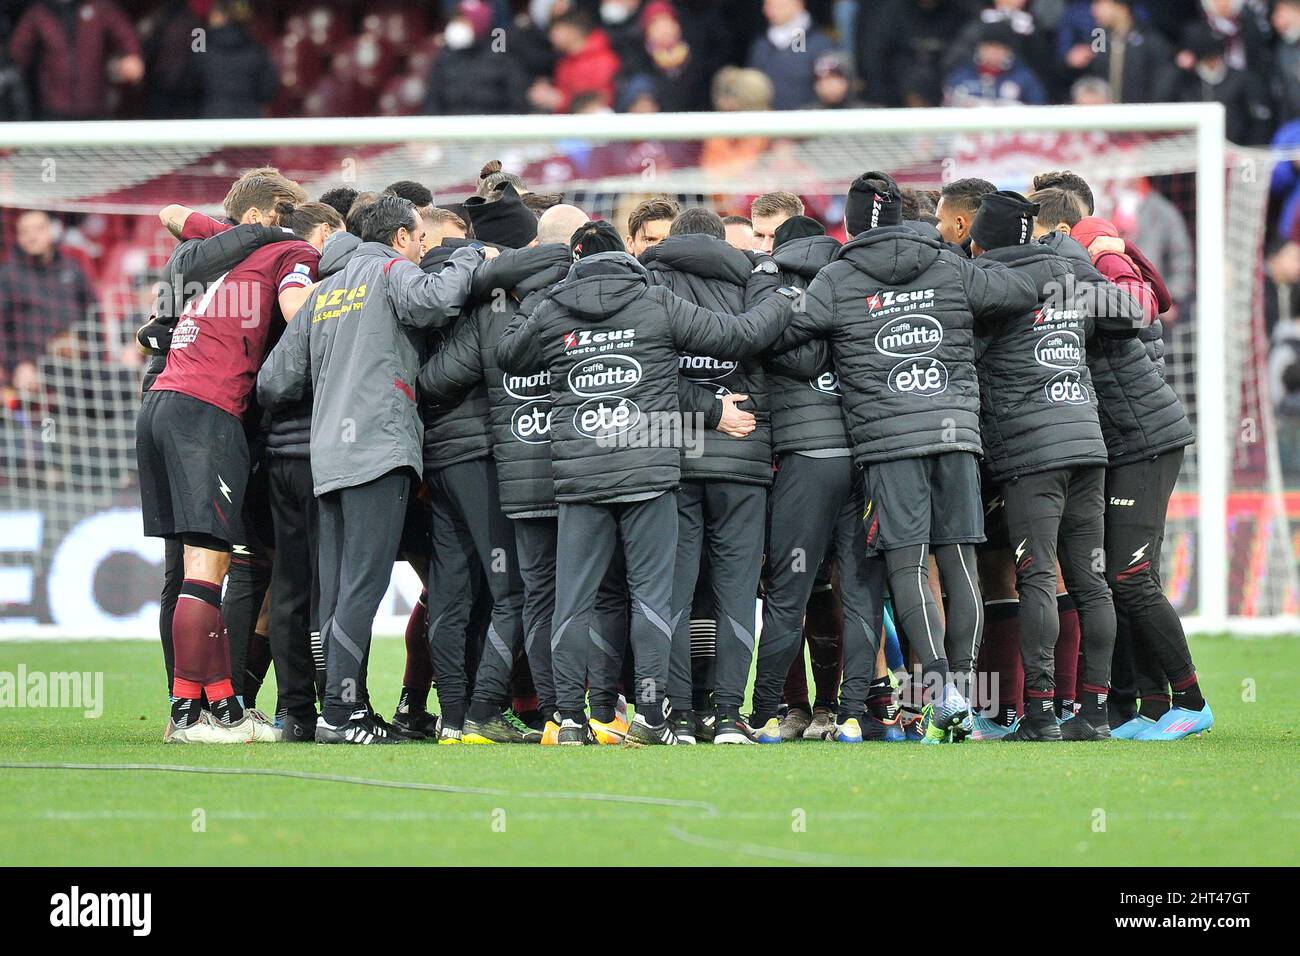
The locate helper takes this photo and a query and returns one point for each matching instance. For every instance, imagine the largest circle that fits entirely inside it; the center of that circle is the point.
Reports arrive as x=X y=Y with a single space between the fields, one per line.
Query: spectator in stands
x=1210 y=79
x=737 y=89
x=678 y=79
x=1028 y=39
x=1090 y=91
x=787 y=51
x=235 y=74
x=169 y=57
x=14 y=104
x=470 y=75
x=586 y=64
x=1286 y=60
x=1153 y=223
x=900 y=45
x=1285 y=184
x=1138 y=63
x=43 y=294
x=622 y=23
x=1243 y=28
x=67 y=46
x=994 y=75
x=834 y=85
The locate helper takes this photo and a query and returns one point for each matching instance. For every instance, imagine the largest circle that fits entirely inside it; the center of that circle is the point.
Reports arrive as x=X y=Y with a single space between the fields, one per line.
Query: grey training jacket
x=355 y=341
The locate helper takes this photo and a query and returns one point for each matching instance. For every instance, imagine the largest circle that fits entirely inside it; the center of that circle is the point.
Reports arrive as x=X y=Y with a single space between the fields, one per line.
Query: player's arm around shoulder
x=519 y=347
x=426 y=300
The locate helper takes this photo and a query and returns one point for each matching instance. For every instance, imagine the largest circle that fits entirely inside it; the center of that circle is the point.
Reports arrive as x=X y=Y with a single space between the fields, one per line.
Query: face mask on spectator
x=459 y=35
x=614 y=13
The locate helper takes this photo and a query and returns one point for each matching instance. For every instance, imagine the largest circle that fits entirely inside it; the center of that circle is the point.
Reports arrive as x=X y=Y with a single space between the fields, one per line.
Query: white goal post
x=90 y=152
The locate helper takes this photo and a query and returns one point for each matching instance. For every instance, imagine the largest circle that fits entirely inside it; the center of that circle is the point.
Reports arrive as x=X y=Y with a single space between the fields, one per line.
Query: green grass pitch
x=1225 y=798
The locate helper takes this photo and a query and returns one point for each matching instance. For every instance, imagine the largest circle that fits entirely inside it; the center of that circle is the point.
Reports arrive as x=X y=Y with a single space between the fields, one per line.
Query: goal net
x=72 y=557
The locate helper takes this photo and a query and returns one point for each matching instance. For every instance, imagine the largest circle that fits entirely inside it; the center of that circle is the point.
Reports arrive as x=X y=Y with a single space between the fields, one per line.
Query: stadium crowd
x=595 y=446
x=103 y=59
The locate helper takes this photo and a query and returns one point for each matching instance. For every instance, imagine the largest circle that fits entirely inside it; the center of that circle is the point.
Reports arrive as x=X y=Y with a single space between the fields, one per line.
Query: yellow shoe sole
x=475 y=739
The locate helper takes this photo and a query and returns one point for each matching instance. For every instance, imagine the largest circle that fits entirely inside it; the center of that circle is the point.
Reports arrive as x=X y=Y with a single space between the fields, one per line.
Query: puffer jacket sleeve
x=764 y=278
x=431 y=300
x=518 y=350
x=803 y=361
x=812 y=315
x=997 y=293
x=456 y=367
x=513 y=266
x=694 y=399
x=725 y=336
x=286 y=374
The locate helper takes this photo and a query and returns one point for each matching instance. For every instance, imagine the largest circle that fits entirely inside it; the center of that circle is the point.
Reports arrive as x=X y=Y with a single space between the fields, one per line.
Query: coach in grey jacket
x=356 y=342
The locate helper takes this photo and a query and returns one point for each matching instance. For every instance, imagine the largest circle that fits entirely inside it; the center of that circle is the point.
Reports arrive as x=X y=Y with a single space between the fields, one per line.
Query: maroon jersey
x=223 y=335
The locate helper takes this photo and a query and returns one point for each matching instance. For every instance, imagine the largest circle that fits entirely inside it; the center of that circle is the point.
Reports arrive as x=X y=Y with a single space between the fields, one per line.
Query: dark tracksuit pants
x=1137 y=498
x=725 y=519
x=468 y=524
x=1058 y=515
x=589 y=534
x=250 y=578
x=536 y=540
x=817 y=507
x=173 y=578
x=295 y=586
x=360 y=528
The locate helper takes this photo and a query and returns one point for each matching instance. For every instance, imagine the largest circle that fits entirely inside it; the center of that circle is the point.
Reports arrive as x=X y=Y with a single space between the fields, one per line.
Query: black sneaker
x=504 y=728
x=733 y=730
x=684 y=728
x=1080 y=728
x=421 y=725
x=704 y=726
x=574 y=734
x=298 y=730
x=641 y=734
x=360 y=728
x=400 y=734
x=1040 y=729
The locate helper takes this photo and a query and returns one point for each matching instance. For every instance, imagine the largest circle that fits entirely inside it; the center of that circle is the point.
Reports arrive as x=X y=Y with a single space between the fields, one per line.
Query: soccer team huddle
x=939 y=454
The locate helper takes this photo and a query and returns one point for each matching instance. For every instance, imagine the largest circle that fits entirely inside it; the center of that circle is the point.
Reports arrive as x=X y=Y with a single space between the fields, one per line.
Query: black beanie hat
x=595 y=237
x=503 y=222
x=1005 y=218
x=797 y=227
x=872 y=204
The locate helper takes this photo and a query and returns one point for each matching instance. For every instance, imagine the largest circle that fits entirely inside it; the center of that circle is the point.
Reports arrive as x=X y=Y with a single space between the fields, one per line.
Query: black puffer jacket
x=807 y=410
x=1038 y=410
x=289 y=434
x=459 y=432
x=899 y=311
x=1140 y=415
x=610 y=341
x=519 y=405
x=714 y=275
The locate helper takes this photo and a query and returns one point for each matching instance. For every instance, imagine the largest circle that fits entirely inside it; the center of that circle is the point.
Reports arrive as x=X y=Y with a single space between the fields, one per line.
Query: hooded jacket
x=1038 y=410
x=1139 y=413
x=610 y=341
x=356 y=345
x=807 y=409
x=899 y=310
x=289 y=434
x=712 y=274
x=519 y=405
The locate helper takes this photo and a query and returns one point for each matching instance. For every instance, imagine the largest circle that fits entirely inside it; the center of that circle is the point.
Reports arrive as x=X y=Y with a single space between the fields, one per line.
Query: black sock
x=880 y=699
x=933 y=680
x=414 y=700
x=1154 y=706
x=1006 y=716
x=1040 y=710
x=482 y=710
x=603 y=714
x=228 y=710
x=1189 y=697
x=1064 y=706
x=186 y=711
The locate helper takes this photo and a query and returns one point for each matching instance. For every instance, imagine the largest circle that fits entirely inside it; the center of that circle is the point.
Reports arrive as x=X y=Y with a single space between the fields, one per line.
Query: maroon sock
x=1067 y=654
x=1000 y=660
x=419 y=665
x=202 y=648
x=796 y=683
